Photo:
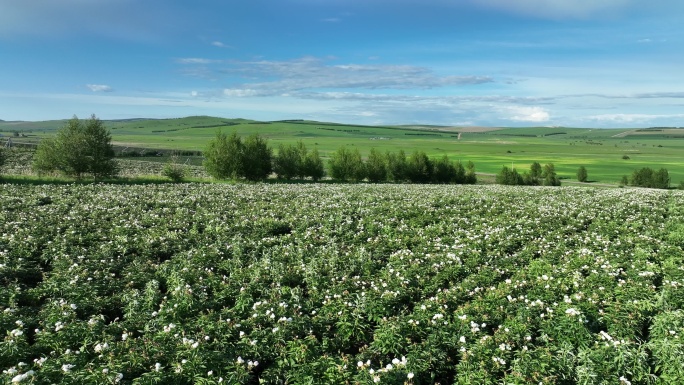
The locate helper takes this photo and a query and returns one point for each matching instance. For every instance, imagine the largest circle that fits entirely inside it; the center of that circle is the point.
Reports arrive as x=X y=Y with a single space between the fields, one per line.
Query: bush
x=289 y=163
x=347 y=165
x=222 y=156
x=78 y=149
x=470 y=176
x=582 y=174
x=509 y=177
x=313 y=166
x=174 y=170
x=256 y=158
x=549 y=177
x=397 y=166
x=376 y=167
x=646 y=177
x=420 y=168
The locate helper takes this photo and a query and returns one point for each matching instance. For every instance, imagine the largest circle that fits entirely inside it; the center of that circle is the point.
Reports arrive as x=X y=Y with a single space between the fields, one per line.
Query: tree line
x=231 y=157
x=536 y=176
x=83 y=148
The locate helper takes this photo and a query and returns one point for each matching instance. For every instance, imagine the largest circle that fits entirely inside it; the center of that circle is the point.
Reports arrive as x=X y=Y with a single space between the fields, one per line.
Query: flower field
x=340 y=284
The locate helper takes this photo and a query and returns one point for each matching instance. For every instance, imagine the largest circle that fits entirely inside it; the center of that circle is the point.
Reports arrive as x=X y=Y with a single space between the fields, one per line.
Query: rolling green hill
x=600 y=150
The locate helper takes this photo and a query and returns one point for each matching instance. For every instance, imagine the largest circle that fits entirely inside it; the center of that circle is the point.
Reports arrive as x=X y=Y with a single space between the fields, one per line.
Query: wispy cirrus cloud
x=557 y=9
x=99 y=87
x=309 y=73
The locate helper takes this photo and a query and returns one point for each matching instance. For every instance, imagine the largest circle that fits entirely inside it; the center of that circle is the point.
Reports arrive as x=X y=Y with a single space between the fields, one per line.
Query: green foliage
x=3 y=157
x=509 y=177
x=470 y=177
x=222 y=157
x=289 y=163
x=420 y=168
x=535 y=174
x=397 y=166
x=255 y=157
x=78 y=149
x=376 y=167
x=549 y=177
x=296 y=161
x=313 y=166
x=174 y=170
x=410 y=284
x=347 y=165
x=647 y=177
x=582 y=174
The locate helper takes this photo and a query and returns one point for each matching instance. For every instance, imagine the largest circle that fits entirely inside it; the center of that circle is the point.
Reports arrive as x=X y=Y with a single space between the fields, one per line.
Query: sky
x=577 y=63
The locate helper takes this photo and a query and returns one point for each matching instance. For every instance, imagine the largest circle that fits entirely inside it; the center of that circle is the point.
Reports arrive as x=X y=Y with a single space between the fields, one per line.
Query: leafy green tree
x=470 y=176
x=642 y=177
x=444 y=171
x=582 y=174
x=533 y=178
x=661 y=179
x=624 y=181
x=509 y=177
x=223 y=156
x=313 y=166
x=376 y=167
x=397 y=166
x=79 y=148
x=346 y=164
x=420 y=168
x=256 y=158
x=288 y=163
x=549 y=177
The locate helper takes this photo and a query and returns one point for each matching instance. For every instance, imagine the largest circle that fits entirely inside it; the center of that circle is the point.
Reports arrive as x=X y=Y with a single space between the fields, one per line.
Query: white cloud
x=220 y=44
x=197 y=60
x=99 y=87
x=310 y=73
x=128 y=19
x=633 y=118
x=556 y=8
x=527 y=114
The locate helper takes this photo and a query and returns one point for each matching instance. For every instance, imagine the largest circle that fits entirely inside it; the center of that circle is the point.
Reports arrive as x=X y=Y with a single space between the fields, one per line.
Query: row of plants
x=391 y=284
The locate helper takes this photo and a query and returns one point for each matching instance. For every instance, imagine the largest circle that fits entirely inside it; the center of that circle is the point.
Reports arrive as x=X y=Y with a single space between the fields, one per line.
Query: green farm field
x=601 y=151
x=353 y=284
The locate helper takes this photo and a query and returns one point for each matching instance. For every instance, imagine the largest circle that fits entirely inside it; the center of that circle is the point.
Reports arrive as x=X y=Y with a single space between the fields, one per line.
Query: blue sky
x=584 y=63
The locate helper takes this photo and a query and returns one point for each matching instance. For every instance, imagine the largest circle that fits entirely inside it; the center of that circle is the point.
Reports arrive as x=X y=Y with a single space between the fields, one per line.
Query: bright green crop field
x=340 y=284
x=601 y=151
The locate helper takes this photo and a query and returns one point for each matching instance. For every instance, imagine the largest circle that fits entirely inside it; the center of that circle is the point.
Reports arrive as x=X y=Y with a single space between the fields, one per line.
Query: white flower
x=67 y=367
x=157 y=367
x=410 y=375
x=73 y=306
x=240 y=360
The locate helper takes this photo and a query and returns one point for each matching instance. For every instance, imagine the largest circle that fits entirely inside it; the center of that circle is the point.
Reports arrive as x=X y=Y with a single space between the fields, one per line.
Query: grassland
x=600 y=150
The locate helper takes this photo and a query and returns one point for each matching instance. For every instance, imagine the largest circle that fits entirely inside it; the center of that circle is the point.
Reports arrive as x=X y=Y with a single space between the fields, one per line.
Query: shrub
x=313 y=166
x=376 y=167
x=582 y=174
x=222 y=156
x=78 y=149
x=174 y=170
x=420 y=168
x=289 y=162
x=397 y=166
x=255 y=157
x=470 y=176
x=510 y=177
x=549 y=177
x=347 y=165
